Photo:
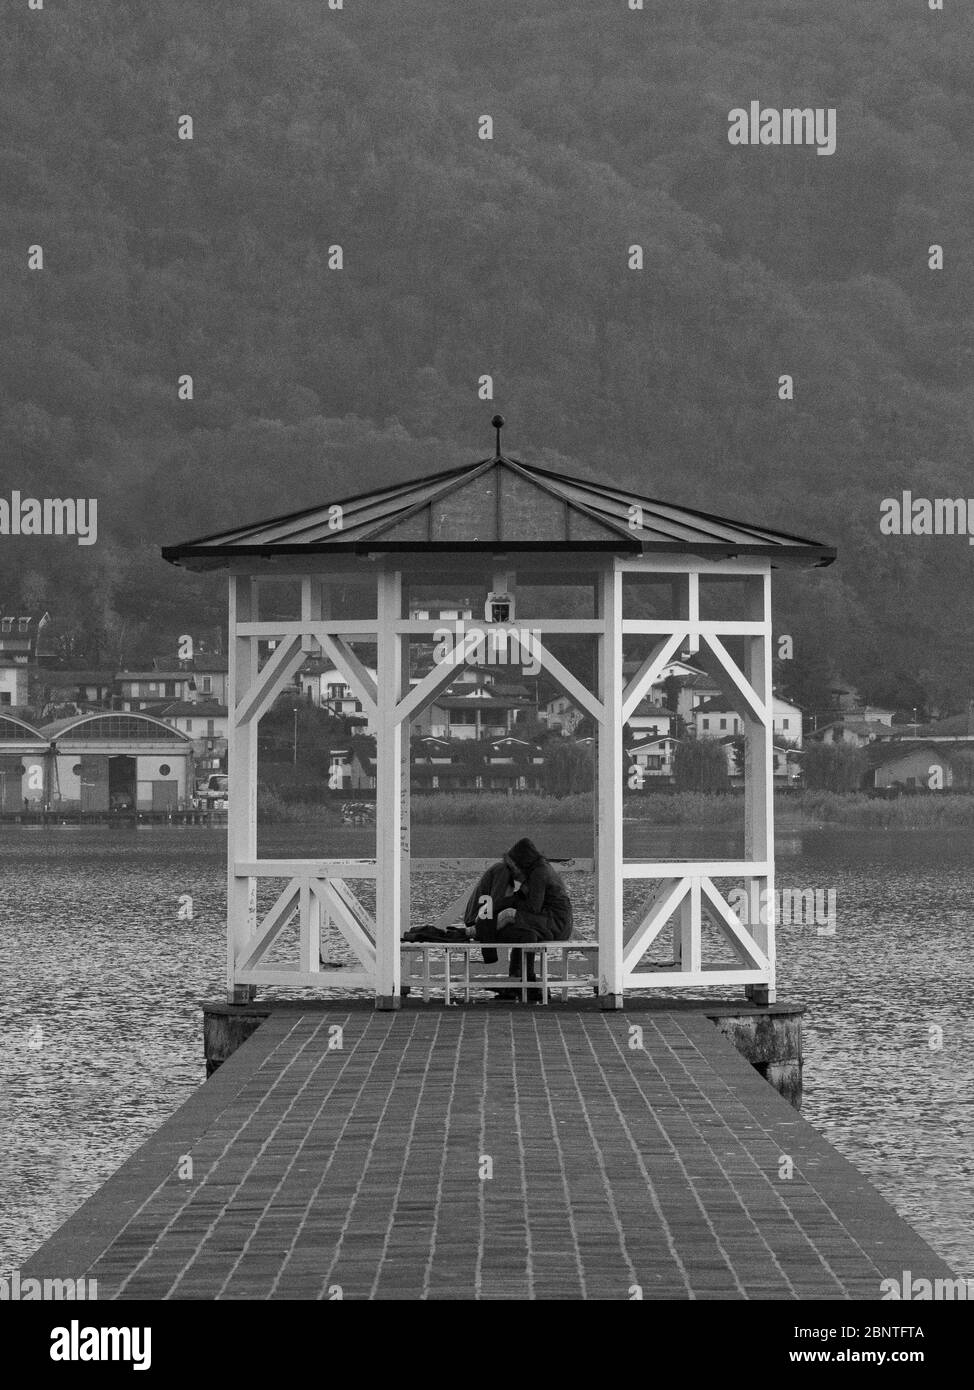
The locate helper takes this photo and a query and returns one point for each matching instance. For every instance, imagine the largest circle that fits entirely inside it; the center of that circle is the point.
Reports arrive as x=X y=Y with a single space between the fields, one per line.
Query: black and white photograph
x=486 y=672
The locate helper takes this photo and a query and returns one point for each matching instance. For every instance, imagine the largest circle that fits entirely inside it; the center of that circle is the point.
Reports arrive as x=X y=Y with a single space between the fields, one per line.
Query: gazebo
x=633 y=570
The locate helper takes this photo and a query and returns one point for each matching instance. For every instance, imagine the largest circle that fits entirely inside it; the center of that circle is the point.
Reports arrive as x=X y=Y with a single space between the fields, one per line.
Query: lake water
x=102 y=978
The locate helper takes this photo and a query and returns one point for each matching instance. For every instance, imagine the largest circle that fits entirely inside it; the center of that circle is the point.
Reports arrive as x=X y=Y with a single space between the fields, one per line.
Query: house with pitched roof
x=716 y=718
x=920 y=765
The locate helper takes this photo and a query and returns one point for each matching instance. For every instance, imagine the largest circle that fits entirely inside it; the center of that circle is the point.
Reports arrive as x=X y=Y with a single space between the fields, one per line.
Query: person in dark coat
x=537 y=909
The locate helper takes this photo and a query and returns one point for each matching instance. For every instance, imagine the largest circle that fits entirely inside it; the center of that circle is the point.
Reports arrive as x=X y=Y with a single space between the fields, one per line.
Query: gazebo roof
x=496 y=504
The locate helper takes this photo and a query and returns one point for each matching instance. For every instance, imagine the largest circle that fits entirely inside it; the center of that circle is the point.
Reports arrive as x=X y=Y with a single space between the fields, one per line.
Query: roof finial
x=498 y=423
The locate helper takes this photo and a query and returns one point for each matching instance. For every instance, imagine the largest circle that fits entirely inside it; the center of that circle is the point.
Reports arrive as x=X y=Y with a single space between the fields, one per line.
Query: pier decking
x=500 y=1152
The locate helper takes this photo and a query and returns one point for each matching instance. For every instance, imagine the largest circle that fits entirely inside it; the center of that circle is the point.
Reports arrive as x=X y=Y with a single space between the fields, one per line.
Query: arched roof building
x=112 y=761
x=23 y=750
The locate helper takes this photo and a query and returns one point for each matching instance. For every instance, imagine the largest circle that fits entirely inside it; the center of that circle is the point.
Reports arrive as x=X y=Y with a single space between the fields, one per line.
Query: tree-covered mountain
x=358 y=127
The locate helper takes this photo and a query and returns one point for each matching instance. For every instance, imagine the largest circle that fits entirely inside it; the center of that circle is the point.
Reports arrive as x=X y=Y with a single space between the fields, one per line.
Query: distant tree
x=834 y=767
x=700 y=765
x=738 y=753
x=671 y=693
x=806 y=679
x=317 y=732
x=528 y=726
x=568 y=767
x=962 y=763
x=621 y=377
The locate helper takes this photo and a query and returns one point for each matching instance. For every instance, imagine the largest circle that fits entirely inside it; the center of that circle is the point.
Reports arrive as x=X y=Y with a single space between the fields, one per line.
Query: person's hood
x=525 y=855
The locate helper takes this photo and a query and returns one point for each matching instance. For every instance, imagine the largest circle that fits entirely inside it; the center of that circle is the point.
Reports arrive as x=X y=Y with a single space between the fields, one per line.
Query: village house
x=480 y=703
x=561 y=716
x=651 y=718
x=206 y=724
x=474 y=716
x=877 y=714
x=21 y=643
x=716 y=718
x=694 y=687
x=513 y=765
x=922 y=765
x=86 y=689
x=652 y=758
x=139 y=690
x=210 y=672
x=352 y=765
x=957 y=728
x=327 y=688
x=13 y=684
x=505 y=764
x=786 y=763
x=850 y=729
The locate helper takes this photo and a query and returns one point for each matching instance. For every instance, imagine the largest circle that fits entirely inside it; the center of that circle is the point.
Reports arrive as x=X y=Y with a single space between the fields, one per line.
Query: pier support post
x=242 y=769
x=759 y=784
x=608 y=830
x=389 y=791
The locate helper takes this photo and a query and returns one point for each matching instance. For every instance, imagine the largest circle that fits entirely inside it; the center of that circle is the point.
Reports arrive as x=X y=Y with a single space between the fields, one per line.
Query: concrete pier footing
x=770 y=1037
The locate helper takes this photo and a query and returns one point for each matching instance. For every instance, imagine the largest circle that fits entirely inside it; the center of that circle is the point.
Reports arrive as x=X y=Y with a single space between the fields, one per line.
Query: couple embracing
x=521 y=900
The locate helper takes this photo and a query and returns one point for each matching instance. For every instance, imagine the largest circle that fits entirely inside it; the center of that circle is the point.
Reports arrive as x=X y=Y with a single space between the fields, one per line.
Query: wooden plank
x=337 y=627
x=571 y=685
x=271 y=926
x=682 y=564
x=428 y=627
x=423 y=694
x=357 y=676
x=660 y=626
x=454 y=912
x=475 y=867
x=499 y=945
x=733 y=928
x=280 y=666
x=366 y=868
x=690 y=868
x=691 y=923
x=316 y=979
x=355 y=906
x=667 y=897
x=683 y=979
x=347 y=922
x=648 y=673
x=717 y=661
x=309 y=868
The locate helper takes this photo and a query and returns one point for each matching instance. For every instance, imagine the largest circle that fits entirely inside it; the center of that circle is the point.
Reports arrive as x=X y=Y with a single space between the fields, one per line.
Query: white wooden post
x=405 y=780
x=759 y=782
x=609 y=810
x=388 y=794
x=242 y=772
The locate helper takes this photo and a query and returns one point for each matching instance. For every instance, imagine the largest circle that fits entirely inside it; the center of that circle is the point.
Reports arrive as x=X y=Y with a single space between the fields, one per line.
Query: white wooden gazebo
x=510 y=530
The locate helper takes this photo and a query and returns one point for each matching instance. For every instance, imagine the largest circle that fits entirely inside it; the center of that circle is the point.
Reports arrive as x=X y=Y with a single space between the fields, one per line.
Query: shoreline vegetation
x=702 y=810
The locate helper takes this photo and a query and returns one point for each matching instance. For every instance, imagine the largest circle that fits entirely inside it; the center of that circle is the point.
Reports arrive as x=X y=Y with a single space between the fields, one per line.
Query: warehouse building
x=109 y=762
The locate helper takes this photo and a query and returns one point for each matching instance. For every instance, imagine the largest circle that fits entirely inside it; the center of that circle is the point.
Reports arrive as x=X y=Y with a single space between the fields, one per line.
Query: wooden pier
x=487 y=1152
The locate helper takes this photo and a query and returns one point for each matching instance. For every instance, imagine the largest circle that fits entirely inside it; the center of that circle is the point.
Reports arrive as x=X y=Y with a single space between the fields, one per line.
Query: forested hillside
x=358 y=127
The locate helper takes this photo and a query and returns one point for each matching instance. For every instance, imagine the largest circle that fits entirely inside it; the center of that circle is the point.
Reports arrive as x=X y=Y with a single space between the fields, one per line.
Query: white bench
x=429 y=966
